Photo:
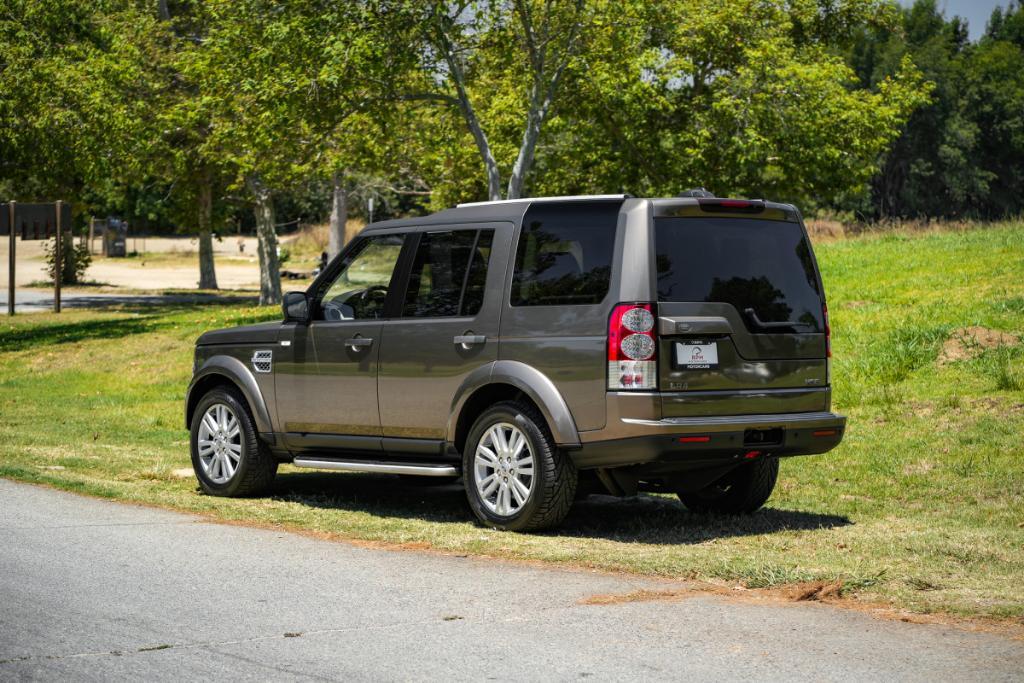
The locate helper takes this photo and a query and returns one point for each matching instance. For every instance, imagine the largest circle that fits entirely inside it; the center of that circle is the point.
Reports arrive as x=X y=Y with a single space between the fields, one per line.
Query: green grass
x=922 y=506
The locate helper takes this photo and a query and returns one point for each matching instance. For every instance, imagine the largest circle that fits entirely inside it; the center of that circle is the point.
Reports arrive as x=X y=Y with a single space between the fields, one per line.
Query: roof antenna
x=699 y=192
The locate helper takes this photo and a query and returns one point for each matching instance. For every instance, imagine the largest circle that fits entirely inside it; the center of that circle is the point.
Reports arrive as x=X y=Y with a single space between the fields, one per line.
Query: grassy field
x=922 y=507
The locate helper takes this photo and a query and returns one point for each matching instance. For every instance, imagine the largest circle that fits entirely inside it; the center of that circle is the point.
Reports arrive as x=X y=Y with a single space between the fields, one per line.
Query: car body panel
x=421 y=366
x=323 y=396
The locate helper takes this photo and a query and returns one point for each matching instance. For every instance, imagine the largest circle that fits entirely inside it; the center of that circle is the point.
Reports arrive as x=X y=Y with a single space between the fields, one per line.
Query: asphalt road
x=92 y=590
x=41 y=300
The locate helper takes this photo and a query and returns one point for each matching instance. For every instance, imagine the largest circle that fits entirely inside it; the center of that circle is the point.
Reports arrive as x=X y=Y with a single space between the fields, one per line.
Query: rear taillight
x=632 y=347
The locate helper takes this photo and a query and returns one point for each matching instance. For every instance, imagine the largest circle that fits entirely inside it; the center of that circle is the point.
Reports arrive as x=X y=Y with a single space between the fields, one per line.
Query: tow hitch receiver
x=763 y=437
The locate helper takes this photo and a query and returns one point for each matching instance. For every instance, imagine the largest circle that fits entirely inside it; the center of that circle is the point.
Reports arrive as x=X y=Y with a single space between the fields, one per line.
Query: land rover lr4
x=677 y=345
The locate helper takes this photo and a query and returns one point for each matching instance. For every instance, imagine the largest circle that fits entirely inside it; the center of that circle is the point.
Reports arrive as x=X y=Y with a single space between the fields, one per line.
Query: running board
x=382 y=467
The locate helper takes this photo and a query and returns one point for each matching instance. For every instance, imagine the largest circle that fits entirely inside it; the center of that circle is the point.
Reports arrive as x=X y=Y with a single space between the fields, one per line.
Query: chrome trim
x=726 y=422
x=695 y=324
x=381 y=467
x=571 y=197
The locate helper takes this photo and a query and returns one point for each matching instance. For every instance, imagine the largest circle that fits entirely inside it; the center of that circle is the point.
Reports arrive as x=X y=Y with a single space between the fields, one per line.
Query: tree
x=180 y=151
x=72 y=75
x=284 y=79
x=960 y=154
x=745 y=98
x=463 y=37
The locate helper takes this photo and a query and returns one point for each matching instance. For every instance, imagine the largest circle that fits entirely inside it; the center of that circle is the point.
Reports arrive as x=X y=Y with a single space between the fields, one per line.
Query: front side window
x=565 y=254
x=360 y=290
x=448 y=274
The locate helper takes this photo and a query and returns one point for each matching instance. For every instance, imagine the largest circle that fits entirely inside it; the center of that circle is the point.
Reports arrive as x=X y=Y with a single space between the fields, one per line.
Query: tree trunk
x=207 y=272
x=339 y=215
x=534 y=119
x=270 y=269
x=469 y=113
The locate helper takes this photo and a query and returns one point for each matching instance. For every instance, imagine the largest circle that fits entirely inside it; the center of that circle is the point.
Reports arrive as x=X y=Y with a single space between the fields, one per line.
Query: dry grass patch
x=969 y=342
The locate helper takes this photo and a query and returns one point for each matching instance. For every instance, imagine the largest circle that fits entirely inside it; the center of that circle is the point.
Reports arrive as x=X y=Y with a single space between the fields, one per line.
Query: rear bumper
x=681 y=443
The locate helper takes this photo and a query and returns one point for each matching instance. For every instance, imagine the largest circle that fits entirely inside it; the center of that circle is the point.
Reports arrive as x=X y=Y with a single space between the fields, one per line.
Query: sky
x=976 y=12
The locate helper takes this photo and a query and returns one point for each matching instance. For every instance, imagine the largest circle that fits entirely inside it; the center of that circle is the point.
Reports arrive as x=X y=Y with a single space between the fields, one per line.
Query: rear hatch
x=741 y=311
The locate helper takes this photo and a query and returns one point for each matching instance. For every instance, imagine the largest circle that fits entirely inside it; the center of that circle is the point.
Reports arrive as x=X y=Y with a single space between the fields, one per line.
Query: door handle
x=357 y=343
x=468 y=340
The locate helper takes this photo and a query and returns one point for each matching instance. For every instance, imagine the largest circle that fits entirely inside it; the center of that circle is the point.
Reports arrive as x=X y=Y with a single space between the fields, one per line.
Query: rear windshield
x=763 y=268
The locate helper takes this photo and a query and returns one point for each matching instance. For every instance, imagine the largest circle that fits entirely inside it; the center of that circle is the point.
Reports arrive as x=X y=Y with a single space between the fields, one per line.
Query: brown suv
x=650 y=344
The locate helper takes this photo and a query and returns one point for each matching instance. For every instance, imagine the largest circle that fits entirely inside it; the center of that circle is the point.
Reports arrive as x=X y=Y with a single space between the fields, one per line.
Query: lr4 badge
x=696 y=355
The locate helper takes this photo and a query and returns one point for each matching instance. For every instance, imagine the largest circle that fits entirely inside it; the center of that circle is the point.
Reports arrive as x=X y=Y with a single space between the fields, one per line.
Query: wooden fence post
x=58 y=260
x=10 y=263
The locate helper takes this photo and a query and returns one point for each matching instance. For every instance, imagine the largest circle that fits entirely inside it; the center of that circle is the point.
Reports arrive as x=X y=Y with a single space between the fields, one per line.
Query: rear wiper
x=752 y=314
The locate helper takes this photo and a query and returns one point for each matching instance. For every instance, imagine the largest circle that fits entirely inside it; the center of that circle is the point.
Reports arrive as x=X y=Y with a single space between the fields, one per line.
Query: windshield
x=763 y=268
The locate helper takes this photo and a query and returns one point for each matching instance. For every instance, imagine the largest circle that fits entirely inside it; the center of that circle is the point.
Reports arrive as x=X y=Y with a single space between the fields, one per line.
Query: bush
x=76 y=259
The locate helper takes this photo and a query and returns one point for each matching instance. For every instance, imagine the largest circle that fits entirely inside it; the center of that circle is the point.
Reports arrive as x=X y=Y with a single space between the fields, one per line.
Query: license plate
x=696 y=355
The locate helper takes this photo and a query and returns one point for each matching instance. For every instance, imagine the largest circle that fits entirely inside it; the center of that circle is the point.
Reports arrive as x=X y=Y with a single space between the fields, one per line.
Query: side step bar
x=382 y=467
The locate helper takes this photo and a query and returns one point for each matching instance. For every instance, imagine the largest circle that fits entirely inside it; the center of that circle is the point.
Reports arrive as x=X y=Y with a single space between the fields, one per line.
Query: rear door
x=446 y=327
x=741 y=317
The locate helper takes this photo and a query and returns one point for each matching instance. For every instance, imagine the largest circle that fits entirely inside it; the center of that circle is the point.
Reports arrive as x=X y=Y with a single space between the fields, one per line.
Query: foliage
x=73 y=78
x=75 y=259
x=165 y=113
x=961 y=154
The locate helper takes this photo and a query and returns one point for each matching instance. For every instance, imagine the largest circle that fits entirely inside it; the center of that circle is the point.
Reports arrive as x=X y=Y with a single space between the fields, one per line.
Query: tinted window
x=360 y=289
x=446 y=265
x=565 y=254
x=757 y=265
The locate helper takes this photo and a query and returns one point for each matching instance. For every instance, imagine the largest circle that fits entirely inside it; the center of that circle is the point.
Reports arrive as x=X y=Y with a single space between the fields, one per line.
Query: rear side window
x=565 y=254
x=763 y=268
x=448 y=274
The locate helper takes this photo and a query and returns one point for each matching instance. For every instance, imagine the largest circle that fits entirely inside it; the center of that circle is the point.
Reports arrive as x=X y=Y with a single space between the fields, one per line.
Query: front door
x=448 y=327
x=335 y=406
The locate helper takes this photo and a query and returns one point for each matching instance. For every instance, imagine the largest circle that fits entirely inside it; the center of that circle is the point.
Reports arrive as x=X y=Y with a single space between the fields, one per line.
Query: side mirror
x=296 y=307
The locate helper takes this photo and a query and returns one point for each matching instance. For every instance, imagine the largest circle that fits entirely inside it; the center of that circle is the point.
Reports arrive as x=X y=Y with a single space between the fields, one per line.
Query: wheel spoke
x=205 y=447
x=503 y=499
x=499 y=438
x=488 y=485
x=520 y=491
x=211 y=423
x=518 y=443
x=486 y=453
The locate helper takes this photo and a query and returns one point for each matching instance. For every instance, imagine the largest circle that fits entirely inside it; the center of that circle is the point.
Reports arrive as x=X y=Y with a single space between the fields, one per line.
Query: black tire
x=554 y=488
x=257 y=465
x=740 y=492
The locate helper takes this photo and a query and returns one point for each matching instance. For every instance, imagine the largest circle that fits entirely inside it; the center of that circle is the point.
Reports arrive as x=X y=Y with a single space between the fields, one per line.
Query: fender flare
x=532 y=382
x=238 y=374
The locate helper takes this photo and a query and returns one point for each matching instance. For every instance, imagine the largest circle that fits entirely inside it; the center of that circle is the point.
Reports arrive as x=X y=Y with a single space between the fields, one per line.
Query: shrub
x=76 y=259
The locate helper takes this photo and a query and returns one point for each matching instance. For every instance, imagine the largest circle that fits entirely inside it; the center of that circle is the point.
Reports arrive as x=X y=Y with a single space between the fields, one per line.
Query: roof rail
x=698 y=192
x=574 y=197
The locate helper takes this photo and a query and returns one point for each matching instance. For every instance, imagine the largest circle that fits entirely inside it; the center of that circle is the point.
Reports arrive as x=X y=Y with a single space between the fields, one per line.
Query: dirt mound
x=813 y=590
x=967 y=342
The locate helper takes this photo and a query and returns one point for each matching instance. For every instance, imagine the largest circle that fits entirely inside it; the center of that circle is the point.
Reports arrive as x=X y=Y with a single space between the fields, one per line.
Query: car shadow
x=654 y=519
